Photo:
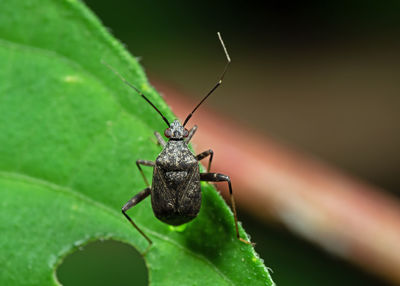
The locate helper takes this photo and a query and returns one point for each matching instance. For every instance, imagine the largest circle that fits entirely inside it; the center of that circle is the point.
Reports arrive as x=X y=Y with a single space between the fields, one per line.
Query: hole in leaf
x=103 y=263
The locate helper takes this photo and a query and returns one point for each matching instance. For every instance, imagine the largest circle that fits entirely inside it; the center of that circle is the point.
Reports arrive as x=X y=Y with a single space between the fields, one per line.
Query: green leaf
x=70 y=133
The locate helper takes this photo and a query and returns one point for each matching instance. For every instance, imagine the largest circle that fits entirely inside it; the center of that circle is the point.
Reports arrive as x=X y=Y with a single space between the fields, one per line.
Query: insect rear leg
x=204 y=154
x=144 y=163
x=191 y=133
x=160 y=140
x=133 y=202
x=216 y=177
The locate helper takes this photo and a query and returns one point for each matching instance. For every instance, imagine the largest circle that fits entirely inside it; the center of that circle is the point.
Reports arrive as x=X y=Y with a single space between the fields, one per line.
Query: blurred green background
x=322 y=76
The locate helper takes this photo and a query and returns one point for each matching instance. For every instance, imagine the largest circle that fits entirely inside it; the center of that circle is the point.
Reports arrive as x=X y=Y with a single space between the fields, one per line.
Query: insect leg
x=191 y=133
x=216 y=177
x=160 y=140
x=205 y=154
x=145 y=163
x=133 y=202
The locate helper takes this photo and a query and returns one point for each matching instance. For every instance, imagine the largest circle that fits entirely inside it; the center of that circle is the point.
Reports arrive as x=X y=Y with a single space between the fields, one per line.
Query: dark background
x=321 y=76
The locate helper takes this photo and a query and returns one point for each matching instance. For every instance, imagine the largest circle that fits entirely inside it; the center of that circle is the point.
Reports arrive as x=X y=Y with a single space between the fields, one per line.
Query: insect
x=175 y=191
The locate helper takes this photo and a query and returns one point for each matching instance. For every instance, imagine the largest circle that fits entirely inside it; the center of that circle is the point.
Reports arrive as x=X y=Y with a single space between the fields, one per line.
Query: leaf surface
x=70 y=133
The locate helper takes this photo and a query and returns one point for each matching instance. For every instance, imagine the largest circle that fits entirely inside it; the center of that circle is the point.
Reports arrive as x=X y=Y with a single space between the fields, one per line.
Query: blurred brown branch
x=345 y=216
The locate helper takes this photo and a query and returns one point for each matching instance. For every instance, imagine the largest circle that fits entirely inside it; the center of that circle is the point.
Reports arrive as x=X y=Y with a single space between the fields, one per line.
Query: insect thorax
x=176 y=156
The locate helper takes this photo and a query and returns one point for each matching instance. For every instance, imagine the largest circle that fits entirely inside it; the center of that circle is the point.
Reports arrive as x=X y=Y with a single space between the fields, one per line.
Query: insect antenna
x=217 y=84
x=136 y=89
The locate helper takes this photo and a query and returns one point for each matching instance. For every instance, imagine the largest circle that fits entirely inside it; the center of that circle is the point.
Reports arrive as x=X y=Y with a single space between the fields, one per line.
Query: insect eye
x=167 y=132
x=185 y=133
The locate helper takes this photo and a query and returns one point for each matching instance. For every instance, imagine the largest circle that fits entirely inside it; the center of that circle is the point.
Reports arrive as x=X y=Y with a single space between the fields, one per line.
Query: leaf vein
x=69 y=191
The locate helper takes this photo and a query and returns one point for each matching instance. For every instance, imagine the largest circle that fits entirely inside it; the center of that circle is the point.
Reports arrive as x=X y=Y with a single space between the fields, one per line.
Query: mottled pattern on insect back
x=176 y=193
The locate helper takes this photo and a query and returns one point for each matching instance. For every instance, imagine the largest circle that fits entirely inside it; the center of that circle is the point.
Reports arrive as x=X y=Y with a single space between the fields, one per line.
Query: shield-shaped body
x=175 y=192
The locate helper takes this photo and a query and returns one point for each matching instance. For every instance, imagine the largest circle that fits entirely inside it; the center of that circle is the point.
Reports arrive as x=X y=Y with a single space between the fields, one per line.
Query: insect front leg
x=160 y=140
x=205 y=154
x=191 y=133
x=133 y=202
x=144 y=163
x=216 y=177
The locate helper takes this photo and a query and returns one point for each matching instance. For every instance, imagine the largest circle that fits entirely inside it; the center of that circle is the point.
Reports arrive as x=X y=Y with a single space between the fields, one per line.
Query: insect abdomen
x=176 y=195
